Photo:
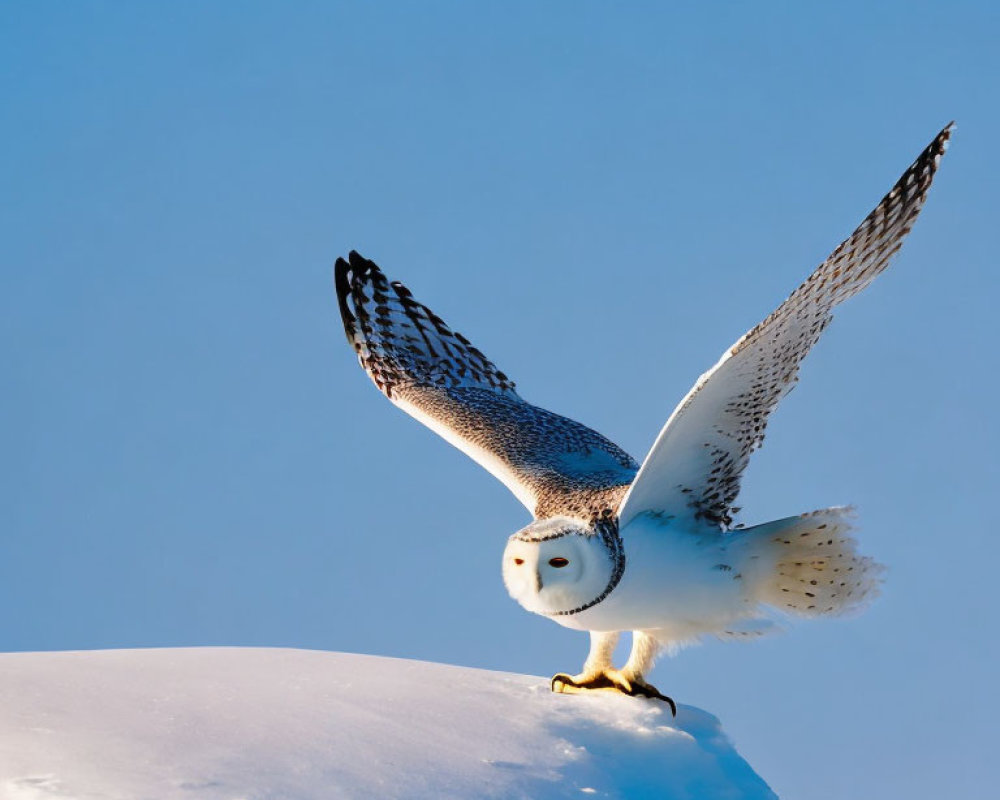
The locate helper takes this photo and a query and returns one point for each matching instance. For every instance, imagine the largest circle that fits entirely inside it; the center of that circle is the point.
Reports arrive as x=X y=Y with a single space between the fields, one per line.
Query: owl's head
x=557 y=565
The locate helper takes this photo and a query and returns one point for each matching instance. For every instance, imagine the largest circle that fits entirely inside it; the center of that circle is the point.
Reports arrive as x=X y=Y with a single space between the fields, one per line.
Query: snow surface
x=273 y=724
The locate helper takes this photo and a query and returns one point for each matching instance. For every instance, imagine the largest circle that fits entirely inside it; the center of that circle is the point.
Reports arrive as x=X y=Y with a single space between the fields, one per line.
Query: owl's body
x=675 y=586
x=618 y=546
x=682 y=582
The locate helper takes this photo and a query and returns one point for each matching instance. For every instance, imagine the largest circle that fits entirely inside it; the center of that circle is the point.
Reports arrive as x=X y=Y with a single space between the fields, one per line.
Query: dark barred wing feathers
x=695 y=466
x=552 y=464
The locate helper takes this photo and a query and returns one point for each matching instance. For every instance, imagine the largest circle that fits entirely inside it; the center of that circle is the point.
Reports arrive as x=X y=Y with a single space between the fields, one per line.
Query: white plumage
x=615 y=546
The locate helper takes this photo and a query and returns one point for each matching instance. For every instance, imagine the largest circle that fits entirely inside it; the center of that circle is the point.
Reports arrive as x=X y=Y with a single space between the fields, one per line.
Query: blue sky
x=602 y=197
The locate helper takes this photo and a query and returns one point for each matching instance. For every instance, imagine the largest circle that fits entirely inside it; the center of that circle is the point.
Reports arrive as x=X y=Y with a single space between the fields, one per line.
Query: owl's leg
x=599 y=674
x=640 y=661
x=598 y=670
x=602 y=648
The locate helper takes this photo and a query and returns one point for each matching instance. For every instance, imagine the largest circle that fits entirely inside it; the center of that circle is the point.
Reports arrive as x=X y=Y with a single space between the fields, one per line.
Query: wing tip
x=343 y=274
x=937 y=148
x=945 y=134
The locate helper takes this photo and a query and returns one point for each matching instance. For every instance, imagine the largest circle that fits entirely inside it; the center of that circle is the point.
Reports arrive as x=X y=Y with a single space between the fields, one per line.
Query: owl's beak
x=538 y=581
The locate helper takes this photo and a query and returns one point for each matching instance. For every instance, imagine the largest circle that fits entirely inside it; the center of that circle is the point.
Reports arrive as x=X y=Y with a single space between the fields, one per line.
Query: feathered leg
x=640 y=661
x=599 y=673
x=602 y=648
x=595 y=669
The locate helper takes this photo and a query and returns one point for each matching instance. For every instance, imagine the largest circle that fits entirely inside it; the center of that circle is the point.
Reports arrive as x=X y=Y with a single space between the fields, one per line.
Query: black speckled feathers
x=402 y=342
x=700 y=455
x=554 y=465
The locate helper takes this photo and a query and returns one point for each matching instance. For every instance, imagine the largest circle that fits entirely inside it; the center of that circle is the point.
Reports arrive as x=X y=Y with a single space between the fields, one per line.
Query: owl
x=649 y=548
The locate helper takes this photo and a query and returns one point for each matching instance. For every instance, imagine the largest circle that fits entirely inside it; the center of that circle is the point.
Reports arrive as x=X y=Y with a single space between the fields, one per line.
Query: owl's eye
x=558 y=562
x=519 y=561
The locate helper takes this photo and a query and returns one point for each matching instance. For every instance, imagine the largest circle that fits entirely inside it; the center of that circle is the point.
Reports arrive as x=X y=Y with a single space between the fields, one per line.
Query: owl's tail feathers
x=809 y=566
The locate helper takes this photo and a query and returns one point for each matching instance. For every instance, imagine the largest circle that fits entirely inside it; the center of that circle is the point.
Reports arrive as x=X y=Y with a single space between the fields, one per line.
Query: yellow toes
x=610 y=680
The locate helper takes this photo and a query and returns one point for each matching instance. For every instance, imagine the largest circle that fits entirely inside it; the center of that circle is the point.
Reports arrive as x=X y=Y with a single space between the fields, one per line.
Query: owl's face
x=552 y=566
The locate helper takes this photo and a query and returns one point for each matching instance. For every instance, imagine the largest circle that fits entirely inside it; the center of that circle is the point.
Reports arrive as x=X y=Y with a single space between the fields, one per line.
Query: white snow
x=273 y=724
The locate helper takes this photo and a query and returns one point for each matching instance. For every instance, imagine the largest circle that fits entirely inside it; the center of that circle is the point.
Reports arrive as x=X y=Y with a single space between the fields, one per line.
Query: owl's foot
x=610 y=680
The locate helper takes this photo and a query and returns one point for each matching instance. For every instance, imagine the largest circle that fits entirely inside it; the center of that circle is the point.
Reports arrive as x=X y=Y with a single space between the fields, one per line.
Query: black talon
x=654 y=694
x=562 y=677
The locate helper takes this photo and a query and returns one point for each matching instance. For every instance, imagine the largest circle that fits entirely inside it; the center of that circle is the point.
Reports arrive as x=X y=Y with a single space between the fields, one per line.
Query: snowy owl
x=618 y=546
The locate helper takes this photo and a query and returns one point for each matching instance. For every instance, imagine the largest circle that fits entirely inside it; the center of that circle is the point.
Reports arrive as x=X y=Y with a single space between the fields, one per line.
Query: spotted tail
x=809 y=566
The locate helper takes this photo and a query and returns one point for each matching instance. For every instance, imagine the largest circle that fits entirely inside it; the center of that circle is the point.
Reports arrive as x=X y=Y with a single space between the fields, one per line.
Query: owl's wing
x=695 y=466
x=552 y=464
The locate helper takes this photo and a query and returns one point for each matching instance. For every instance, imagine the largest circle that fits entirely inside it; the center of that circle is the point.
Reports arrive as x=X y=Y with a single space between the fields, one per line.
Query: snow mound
x=272 y=724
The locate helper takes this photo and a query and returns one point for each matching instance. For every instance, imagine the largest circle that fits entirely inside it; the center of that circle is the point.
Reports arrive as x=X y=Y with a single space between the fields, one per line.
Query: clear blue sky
x=602 y=197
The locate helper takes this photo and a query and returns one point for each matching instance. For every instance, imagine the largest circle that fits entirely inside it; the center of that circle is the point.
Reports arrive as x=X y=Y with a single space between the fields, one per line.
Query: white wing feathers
x=695 y=466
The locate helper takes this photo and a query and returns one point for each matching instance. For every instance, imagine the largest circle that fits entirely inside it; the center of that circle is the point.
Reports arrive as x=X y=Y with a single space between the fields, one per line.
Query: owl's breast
x=674 y=578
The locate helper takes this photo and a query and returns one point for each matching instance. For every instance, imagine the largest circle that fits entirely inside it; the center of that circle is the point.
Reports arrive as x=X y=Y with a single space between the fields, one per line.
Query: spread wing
x=552 y=464
x=695 y=466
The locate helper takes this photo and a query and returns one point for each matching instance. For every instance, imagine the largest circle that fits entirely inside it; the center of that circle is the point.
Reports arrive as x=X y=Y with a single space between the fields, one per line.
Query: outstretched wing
x=695 y=466
x=552 y=464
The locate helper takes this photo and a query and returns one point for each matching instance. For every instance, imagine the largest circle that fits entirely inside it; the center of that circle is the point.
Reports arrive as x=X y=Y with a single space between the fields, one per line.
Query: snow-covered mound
x=250 y=724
